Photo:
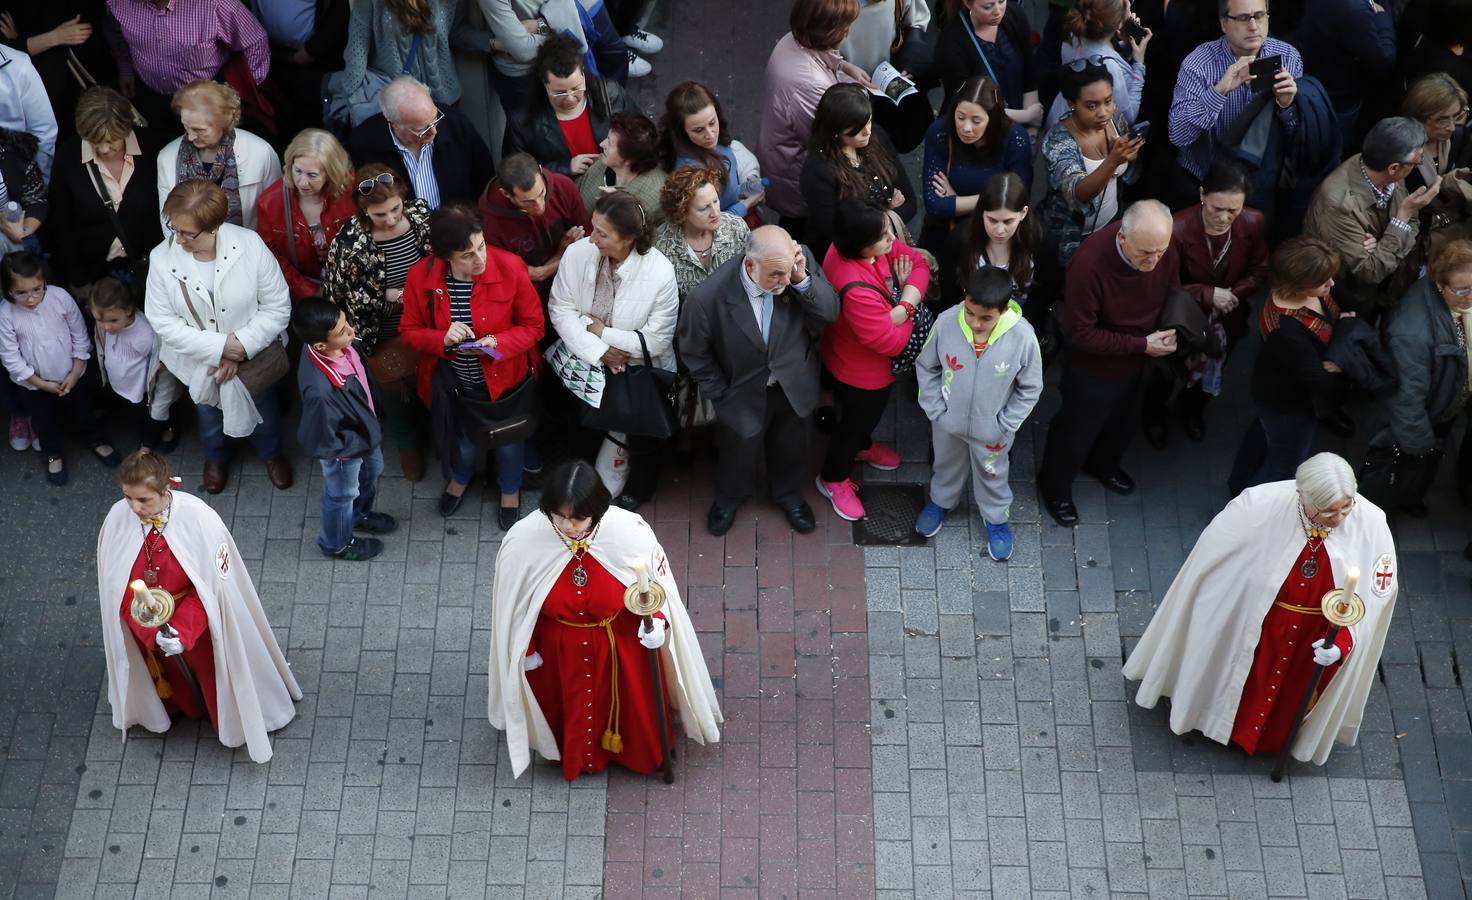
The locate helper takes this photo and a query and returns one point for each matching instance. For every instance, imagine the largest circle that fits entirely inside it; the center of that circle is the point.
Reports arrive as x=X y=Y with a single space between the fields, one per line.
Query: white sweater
x=647 y=301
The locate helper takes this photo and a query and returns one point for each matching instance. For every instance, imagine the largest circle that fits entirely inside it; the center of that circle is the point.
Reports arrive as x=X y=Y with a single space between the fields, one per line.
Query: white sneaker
x=642 y=41
x=638 y=65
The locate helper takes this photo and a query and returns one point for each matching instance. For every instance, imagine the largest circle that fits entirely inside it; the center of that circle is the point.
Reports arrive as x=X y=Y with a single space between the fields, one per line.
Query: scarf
x=1321 y=327
x=222 y=173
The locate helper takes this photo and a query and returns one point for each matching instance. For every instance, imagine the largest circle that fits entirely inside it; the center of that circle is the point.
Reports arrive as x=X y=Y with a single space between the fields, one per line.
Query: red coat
x=857 y=348
x=503 y=302
x=1246 y=263
x=271 y=224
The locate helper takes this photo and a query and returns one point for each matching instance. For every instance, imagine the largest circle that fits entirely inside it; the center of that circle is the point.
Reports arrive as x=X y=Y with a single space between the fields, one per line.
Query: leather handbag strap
x=645 y=347
x=112 y=212
x=290 y=225
x=190 y=303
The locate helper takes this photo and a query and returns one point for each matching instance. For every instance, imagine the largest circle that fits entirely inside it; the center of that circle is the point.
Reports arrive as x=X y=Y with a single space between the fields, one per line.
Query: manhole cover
x=890 y=511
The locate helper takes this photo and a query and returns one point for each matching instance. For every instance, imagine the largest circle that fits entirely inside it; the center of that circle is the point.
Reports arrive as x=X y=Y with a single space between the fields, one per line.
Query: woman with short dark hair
x=473 y=315
x=630 y=163
x=564 y=122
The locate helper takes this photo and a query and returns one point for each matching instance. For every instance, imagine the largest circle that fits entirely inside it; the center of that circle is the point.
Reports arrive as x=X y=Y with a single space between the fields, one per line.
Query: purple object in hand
x=492 y=352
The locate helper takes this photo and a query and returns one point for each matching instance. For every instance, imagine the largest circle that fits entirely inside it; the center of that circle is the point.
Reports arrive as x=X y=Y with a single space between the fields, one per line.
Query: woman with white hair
x=1236 y=639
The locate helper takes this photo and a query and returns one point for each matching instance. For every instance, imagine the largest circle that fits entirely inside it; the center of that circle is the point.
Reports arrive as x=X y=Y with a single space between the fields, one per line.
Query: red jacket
x=1246 y=263
x=858 y=346
x=271 y=224
x=503 y=302
x=535 y=240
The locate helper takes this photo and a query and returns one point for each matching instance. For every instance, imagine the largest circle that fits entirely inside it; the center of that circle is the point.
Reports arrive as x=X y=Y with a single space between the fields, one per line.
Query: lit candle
x=643 y=575
x=1352 y=580
x=140 y=589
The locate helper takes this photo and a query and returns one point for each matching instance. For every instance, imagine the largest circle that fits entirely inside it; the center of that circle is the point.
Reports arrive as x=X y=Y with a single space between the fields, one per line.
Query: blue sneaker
x=928 y=522
x=999 y=541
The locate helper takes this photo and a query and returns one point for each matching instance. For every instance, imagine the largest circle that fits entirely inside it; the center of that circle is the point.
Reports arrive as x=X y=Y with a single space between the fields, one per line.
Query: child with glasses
x=44 y=348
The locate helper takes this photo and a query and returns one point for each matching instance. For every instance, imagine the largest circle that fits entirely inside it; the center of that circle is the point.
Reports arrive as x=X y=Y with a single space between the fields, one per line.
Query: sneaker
x=638 y=65
x=999 y=541
x=643 y=42
x=377 y=523
x=359 y=549
x=20 y=433
x=880 y=457
x=844 y=497
x=930 y=518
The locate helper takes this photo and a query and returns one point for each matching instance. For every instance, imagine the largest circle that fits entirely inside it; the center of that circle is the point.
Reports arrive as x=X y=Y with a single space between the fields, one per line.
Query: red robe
x=192 y=627
x=574 y=684
x=1284 y=661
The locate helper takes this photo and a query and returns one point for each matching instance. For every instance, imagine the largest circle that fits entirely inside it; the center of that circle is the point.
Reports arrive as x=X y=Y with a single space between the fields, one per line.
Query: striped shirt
x=420 y=167
x=399 y=254
x=1200 y=117
x=187 y=40
x=467 y=365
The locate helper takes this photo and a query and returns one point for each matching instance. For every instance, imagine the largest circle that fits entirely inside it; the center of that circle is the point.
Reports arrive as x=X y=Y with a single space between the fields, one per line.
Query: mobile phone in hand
x=1140 y=131
x=1133 y=30
x=471 y=346
x=1263 y=70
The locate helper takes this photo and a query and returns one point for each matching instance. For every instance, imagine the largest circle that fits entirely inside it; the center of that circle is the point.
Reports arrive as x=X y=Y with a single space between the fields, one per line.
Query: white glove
x=533 y=661
x=169 y=643
x=653 y=638
x=1326 y=656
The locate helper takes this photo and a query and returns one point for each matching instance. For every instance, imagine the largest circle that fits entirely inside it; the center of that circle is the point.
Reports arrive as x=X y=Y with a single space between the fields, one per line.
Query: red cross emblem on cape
x=1383 y=575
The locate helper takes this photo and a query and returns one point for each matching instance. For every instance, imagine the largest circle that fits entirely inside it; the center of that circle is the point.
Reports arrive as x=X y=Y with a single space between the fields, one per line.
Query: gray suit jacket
x=721 y=344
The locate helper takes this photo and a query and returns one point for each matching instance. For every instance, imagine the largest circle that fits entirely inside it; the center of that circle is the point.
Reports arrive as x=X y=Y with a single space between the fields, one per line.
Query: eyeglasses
x=1078 y=65
x=1449 y=121
x=1458 y=292
x=26 y=295
x=1258 y=17
x=568 y=95
x=365 y=186
x=421 y=132
x=186 y=235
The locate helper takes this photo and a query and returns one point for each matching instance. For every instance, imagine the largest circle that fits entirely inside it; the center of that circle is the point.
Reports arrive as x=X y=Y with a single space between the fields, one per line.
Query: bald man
x=1116 y=287
x=748 y=335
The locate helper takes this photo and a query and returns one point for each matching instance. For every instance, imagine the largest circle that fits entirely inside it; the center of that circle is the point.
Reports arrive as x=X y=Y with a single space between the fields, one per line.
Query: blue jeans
x=266 y=437
x=1272 y=449
x=349 y=488
x=509 y=461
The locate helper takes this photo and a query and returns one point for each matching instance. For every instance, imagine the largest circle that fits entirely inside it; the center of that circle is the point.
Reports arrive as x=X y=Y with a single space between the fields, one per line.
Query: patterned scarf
x=222 y=173
x=1321 y=327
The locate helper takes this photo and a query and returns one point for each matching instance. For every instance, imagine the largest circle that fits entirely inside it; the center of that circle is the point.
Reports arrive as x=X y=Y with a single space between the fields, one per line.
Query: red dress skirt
x=1284 y=662
x=193 y=630
x=594 y=681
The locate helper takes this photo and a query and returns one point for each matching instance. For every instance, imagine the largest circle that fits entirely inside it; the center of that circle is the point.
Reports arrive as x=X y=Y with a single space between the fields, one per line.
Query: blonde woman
x=300 y=214
x=215 y=149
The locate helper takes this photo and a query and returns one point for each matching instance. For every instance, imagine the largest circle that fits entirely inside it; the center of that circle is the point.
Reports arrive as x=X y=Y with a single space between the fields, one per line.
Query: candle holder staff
x=571 y=625
x=1241 y=644
x=182 y=626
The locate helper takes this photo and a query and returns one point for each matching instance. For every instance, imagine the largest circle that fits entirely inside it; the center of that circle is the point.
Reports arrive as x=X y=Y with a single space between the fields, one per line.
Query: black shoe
x=449 y=503
x=359 y=549
x=719 y=519
x=1120 y=482
x=169 y=442
x=1156 y=435
x=1194 y=426
x=626 y=501
x=1062 y=511
x=531 y=480
x=507 y=516
x=801 y=518
x=377 y=523
x=1337 y=423
x=111 y=460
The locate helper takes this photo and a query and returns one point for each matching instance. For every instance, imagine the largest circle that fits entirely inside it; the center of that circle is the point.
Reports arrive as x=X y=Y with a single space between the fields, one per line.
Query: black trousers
x=644 y=459
x=48 y=411
x=1092 y=431
x=859 y=412
x=782 y=444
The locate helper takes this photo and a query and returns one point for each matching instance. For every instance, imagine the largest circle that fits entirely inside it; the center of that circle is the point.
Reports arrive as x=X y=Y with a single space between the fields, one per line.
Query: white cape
x=1199 y=647
x=254 y=687
x=531 y=558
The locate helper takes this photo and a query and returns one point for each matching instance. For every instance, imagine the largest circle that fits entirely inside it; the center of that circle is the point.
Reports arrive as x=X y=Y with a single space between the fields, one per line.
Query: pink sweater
x=858 y=346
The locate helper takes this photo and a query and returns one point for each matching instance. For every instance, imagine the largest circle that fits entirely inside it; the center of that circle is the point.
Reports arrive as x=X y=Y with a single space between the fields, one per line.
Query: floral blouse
x=730 y=242
x=1063 y=215
x=354 y=275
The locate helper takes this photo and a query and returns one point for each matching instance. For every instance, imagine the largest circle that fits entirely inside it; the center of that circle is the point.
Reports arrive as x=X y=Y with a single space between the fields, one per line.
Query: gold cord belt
x=613 y=742
x=1306 y=610
x=160 y=683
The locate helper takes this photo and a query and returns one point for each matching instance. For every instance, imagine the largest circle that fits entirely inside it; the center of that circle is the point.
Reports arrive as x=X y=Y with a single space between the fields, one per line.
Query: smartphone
x=1140 y=131
x=471 y=346
x=1134 y=30
x=1263 y=70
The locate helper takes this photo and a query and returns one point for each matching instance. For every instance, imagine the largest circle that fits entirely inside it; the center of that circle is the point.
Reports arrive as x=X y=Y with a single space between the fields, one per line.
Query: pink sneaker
x=844 y=497
x=20 y=433
x=880 y=457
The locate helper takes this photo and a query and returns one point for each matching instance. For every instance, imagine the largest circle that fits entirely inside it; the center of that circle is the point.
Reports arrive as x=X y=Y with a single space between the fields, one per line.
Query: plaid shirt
x=1200 y=117
x=187 y=40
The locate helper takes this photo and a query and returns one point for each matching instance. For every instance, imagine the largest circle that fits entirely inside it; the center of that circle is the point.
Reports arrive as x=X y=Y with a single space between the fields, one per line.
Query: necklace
x=578 y=549
x=1310 y=566
x=151 y=540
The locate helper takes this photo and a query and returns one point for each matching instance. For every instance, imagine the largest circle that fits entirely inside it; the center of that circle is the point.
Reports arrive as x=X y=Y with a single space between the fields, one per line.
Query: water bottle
x=753 y=186
x=13 y=212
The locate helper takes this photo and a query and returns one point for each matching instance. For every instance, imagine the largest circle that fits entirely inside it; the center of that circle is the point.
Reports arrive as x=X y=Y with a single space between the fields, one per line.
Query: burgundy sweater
x=1109 y=306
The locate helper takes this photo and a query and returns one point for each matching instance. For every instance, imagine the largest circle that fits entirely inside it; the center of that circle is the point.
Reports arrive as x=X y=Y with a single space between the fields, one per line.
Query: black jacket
x=79 y=230
x=337 y=422
x=1289 y=376
x=956 y=59
x=819 y=185
x=462 y=161
x=1433 y=370
x=534 y=129
x=1358 y=350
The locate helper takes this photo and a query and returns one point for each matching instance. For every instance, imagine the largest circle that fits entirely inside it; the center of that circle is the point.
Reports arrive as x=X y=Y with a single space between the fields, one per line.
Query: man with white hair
x=1116 y=288
x=1236 y=639
x=436 y=151
x=747 y=335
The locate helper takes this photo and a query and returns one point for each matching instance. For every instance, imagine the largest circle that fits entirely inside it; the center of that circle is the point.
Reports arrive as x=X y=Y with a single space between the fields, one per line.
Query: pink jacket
x=796 y=80
x=857 y=347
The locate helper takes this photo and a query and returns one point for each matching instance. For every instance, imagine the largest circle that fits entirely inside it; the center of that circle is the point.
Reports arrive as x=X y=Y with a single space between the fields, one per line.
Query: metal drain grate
x=890 y=511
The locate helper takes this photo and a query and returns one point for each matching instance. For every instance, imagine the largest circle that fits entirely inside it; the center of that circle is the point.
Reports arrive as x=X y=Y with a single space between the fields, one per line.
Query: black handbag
x=638 y=401
x=1395 y=480
x=509 y=419
x=134 y=275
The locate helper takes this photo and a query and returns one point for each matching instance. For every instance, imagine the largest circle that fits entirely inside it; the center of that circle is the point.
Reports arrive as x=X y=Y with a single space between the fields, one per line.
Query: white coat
x=256 y=165
x=1199 y=647
x=532 y=557
x=254 y=687
x=250 y=299
x=647 y=300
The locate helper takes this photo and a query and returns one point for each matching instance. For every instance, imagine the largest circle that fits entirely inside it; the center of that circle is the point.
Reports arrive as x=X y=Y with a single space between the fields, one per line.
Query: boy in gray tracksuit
x=980 y=375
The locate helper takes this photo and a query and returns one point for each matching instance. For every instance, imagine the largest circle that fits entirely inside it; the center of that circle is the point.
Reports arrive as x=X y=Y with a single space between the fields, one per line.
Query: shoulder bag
x=922 y=322
x=490 y=423
x=639 y=401
x=137 y=270
x=346 y=106
x=261 y=371
x=291 y=233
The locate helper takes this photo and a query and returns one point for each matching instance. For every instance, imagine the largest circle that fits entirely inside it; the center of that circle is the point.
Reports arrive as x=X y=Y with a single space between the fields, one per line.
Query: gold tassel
x=160 y=683
x=613 y=742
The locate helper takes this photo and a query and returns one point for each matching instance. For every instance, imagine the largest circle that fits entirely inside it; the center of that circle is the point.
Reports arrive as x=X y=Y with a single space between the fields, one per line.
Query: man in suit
x=748 y=335
x=436 y=151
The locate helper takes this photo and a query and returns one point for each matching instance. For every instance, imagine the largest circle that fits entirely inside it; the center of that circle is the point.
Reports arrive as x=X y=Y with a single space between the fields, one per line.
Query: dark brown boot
x=411 y=460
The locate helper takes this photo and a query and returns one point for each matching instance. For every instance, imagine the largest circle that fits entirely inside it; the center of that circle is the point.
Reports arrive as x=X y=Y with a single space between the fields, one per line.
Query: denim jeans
x=1272 y=449
x=266 y=437
x=349 y=488
x=509 y=461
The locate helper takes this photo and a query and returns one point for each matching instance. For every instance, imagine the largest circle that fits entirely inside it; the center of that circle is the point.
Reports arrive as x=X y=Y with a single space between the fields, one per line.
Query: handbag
x=393 y=361
x=261 y=371
x=1395 y=480
x=137 y=269
x=509 y=419
x=350 y=105
x=639 y=401
x=291 y=234
x=922 y=321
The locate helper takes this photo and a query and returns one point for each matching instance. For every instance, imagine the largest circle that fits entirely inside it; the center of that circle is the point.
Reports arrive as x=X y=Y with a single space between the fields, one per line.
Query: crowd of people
x=253 y=196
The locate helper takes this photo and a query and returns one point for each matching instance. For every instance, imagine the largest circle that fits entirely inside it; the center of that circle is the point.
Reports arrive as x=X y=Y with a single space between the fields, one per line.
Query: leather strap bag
x=261 y=371
x=291 y=234
x=137 y=265
x=640 y=401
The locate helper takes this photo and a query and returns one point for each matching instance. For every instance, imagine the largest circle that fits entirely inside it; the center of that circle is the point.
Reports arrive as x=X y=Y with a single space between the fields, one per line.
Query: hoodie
x=984 y=399
x=536 y=239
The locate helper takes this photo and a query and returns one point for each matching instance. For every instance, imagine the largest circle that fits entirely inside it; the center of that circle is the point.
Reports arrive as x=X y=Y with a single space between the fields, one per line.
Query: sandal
x=56 y=470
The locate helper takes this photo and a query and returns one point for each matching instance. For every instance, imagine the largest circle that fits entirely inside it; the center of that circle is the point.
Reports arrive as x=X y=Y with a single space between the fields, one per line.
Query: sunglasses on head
x=1093 y=60
x=366 y=185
